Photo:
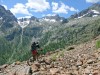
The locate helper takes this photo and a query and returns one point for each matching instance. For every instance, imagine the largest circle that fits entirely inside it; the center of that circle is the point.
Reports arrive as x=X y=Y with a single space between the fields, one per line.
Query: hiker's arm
x=37 y=46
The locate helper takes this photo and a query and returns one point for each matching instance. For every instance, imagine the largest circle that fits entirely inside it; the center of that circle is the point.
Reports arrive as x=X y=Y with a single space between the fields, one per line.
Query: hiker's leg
x=34 y=57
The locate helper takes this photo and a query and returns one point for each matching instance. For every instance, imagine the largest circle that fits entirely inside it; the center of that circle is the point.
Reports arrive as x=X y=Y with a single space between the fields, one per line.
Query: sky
x=40 y=8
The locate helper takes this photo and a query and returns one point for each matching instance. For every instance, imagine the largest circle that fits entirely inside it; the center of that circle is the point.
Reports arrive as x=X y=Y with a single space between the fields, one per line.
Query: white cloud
x=54 y=5
x=38 y=5
x=5 y=6
x=48 y=15
x=20 y=8
x=62 y=9
x=92 y=1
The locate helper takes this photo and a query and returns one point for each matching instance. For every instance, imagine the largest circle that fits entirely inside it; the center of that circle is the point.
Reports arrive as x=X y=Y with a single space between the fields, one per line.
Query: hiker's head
x=33 y=43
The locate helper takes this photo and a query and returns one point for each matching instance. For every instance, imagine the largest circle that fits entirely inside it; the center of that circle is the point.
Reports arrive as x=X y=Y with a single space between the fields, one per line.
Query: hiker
x=34 y=48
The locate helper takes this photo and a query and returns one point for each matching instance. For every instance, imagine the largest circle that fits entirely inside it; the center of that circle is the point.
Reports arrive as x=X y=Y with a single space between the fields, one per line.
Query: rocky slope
x=83 y=59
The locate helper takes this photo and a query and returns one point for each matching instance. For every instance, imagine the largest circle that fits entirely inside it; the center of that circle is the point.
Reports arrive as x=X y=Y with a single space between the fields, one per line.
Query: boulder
x=12 y=73
x=47 y=61
x=34 y=68
x=87 y=71
x=90 y=61
x=79 y=63
x=24 y=71
x=4 y=66
x=37 y=64
x=36 y=73
x=54 y=71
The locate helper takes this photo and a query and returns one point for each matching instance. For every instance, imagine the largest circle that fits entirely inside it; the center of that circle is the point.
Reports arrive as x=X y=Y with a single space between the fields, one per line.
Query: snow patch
x=95 y=11
x=24 y=23
x=1 y=18
x=83 y=15
x=94 y=15
x=50 y=20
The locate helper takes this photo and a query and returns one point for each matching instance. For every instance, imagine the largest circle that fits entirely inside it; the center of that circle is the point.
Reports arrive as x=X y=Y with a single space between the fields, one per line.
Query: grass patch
x=98 y=44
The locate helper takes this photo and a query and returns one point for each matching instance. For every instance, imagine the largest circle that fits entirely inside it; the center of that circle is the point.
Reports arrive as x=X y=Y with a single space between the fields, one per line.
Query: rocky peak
x=23 y=19
x=53 y=18
x=34 y=19
x=92 y=11
x=6 y=15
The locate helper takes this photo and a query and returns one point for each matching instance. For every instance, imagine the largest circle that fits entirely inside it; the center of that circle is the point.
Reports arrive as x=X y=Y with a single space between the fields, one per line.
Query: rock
x=12 y=73
x=74 y=68
x=70 y=48
x=75 y=72
x=99 y=58
x=24 y=71
x=79 y=63
x=37 y=64
x=34 y=68
x=42 y=69
x=54 y=71
x=95 y=74
x=36 y=73
x=87 y=71
x=2 y=74
x=47 y=61
x=17 y=62
x=68 y=73
x=90 y=61
x=4 y=66
x=48 y=66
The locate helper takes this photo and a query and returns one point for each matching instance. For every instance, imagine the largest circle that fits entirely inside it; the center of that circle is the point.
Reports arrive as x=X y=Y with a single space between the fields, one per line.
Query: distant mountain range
x=92 y=11
x=52 y=32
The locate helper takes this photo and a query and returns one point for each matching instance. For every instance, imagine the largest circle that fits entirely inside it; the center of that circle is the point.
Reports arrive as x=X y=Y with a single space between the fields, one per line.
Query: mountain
x=53 y=32
x=92 y=11
x=53 y=18
x=9 y=33
x=7 y=19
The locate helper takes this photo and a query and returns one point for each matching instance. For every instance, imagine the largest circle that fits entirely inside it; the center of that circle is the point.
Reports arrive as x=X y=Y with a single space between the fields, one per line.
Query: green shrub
x=98 y=44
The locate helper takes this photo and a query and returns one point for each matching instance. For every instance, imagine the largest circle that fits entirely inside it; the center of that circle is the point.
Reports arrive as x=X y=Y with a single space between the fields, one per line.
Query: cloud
x=92 y=1
x=54 y=5
x=48 y=15
x=20 y=8
x=5 y=6
x=62 y=9
x=38 y=5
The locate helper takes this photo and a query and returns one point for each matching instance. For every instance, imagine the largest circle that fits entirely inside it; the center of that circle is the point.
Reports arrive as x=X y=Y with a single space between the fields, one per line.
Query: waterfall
x=21 y=38
x=22 y=25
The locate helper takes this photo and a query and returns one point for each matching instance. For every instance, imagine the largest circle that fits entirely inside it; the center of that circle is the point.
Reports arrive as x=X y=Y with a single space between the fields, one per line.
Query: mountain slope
x=82 y=59
x=16 y=39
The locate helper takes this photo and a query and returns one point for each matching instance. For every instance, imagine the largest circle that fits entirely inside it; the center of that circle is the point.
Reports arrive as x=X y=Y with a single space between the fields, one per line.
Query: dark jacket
x=34 y=46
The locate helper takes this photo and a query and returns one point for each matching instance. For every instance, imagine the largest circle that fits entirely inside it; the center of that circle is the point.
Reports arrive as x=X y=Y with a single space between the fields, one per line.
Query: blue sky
x=40 y=8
